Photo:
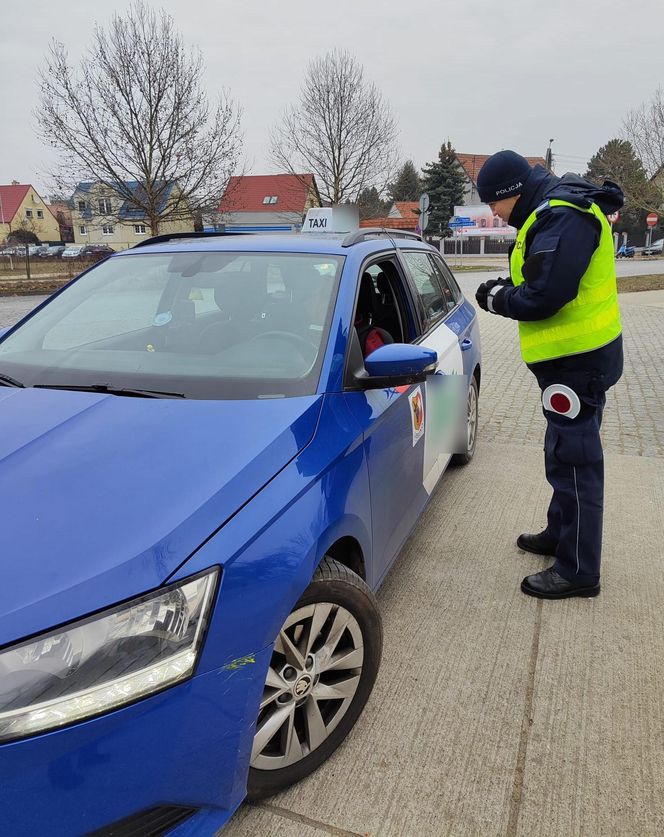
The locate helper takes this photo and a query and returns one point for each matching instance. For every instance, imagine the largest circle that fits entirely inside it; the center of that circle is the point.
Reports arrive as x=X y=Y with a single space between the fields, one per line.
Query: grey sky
x=486 y=74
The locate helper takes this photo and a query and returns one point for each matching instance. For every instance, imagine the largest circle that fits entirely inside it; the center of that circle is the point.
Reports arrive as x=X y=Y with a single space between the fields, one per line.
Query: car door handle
x=466 y=344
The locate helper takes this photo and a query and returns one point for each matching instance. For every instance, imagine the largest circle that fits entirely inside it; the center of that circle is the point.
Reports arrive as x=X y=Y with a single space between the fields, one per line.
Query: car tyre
x=329 y=649
x=472 y=423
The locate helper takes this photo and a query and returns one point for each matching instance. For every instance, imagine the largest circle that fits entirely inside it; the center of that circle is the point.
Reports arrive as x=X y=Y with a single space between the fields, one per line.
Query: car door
x=462 y=320
x=445 y=392
x=392 y=423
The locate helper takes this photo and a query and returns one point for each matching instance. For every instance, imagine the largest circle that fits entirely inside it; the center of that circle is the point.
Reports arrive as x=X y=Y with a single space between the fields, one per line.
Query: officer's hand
x=487 y=291
x=480 y=295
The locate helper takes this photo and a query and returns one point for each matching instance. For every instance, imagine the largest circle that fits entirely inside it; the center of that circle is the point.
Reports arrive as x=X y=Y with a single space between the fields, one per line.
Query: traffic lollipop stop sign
x=562 y=400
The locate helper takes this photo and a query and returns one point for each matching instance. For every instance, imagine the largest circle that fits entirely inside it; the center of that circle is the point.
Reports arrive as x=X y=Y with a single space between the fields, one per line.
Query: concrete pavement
x=496 y=714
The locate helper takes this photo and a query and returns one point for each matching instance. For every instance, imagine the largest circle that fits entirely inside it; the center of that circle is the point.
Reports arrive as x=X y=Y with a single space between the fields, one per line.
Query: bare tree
x=644 y=128
x=341 y=130
x=136 y=110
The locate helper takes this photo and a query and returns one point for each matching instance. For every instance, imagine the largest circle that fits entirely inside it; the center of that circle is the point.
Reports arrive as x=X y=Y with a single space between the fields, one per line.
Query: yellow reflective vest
x=589 y=321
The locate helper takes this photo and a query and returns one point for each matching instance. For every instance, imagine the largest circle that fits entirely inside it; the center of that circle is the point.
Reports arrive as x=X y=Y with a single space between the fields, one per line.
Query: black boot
x=549 y=585
x=540 y=544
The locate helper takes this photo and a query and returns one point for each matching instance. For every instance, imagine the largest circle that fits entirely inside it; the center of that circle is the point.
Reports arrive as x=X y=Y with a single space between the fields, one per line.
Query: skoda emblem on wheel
x=302 y=685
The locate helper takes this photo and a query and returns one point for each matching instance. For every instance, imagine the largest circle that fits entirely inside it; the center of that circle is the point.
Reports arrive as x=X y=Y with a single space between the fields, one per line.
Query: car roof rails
x=366 y=232
x=179 y=236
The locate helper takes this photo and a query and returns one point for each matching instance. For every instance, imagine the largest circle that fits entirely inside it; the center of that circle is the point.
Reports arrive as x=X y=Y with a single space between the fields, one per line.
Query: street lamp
x=549 y=157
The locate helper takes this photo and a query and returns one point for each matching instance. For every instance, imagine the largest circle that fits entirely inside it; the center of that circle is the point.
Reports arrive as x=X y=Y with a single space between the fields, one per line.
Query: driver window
x=379 y=309
x=430 y=294
x=447 y=280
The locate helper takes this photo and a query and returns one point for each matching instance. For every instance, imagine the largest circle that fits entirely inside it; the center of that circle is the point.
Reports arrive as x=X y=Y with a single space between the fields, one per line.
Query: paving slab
x=497 y=714
x=268 y=820
x=650 y=298
x=594 y=761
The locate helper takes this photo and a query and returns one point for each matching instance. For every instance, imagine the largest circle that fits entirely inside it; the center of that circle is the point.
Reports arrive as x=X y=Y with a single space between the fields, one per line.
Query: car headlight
x=104 y=661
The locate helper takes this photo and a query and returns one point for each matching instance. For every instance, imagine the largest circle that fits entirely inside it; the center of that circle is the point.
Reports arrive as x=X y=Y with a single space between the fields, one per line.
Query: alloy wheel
x=472 y=418
x=313 y=676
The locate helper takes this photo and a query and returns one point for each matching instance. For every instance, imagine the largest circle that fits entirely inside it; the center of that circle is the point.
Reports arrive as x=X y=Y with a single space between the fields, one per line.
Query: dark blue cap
x=502 y=176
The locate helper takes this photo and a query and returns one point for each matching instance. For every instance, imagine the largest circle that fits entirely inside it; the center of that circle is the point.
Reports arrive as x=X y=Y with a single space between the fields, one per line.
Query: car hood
x=103 y=497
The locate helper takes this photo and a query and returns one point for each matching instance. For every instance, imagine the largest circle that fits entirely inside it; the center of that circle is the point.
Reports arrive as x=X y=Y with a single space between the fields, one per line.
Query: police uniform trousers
x=574 y=463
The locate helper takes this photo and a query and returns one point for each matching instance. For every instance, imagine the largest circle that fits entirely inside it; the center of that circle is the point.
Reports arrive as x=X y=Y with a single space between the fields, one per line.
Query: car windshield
x=200 y=324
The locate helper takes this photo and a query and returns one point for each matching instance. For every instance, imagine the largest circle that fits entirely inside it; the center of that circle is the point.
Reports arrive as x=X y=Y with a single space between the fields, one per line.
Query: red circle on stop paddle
x=560 y=403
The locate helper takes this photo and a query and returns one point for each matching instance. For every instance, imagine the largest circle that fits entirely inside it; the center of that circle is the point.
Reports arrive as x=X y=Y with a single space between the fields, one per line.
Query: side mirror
x=397 y=364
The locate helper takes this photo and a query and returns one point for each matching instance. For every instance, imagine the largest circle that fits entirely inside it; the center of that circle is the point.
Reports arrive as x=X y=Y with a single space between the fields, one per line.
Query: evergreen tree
x=407 y=186
x=371 y=205
x=618 y=161
x=444 y=181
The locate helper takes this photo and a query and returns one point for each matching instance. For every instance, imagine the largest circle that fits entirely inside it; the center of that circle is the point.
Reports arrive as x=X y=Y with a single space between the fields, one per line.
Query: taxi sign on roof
x=331 y=219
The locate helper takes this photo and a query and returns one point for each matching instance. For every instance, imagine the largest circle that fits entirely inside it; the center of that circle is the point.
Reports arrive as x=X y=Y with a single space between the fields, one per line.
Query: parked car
x=626 y=252
x=72 y=252
x=14 y=250
x=20 y=250
x=54 y=251
x=96 y=252
x=655 y=249
x=207 y=481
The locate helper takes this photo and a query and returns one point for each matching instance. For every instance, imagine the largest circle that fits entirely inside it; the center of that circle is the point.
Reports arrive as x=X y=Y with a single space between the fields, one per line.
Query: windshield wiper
x=110 y=390
x=6 y=381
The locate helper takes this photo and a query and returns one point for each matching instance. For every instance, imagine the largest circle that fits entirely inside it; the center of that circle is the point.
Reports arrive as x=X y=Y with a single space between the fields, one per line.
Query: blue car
x=212 y=449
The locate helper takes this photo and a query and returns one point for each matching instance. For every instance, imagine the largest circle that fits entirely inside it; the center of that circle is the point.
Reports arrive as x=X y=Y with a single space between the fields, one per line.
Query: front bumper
x=188 y=746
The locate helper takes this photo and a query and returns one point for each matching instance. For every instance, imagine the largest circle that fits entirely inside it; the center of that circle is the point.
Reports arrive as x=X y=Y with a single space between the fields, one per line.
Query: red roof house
x=267 y=202
x=403 y=215
x=11 y=198
x=472 y=163
x=21 y=207
x=404 y=209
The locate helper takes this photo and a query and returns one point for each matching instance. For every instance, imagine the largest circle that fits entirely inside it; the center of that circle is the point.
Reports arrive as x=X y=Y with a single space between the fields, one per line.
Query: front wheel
x=322 y=671
x=472 y=420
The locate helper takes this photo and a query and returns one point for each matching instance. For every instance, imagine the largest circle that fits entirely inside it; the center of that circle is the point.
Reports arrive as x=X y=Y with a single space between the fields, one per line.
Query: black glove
x=484 y=290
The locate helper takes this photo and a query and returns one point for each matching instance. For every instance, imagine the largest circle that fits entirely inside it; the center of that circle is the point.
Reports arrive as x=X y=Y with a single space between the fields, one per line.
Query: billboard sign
x=481 y=222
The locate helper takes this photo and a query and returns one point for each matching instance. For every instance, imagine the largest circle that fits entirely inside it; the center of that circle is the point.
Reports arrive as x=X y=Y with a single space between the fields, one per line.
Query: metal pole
x=549 y=157
x=27 y=260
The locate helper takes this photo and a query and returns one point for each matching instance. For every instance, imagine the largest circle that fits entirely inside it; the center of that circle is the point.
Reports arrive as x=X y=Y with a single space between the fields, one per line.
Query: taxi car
x=203 y=480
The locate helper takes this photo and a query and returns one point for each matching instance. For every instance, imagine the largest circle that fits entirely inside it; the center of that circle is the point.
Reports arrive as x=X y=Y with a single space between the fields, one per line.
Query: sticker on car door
x=417 y=414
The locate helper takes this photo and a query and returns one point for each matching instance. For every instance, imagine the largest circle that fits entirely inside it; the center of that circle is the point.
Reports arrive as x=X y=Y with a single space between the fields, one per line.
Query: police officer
x=562 y=292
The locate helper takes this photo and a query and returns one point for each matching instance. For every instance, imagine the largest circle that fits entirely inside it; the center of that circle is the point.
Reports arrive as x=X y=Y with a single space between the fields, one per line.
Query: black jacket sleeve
x=558 y=251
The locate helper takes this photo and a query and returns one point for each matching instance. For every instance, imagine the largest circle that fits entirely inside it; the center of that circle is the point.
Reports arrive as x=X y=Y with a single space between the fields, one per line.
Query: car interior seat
x=177 y=334
x=242 y=301
x=308 y=302
x=386 y=314
x=365 y=312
